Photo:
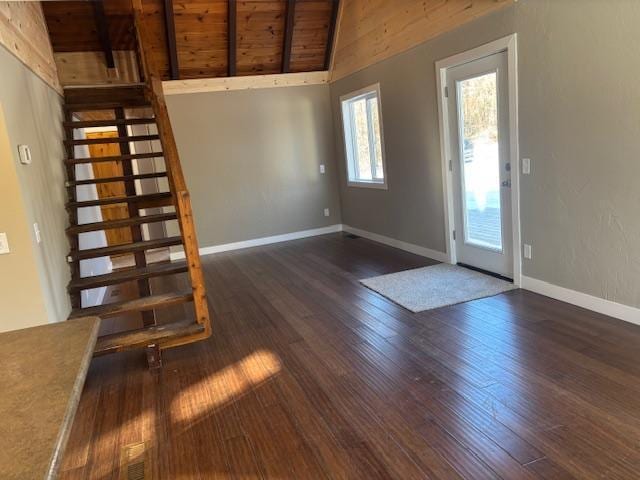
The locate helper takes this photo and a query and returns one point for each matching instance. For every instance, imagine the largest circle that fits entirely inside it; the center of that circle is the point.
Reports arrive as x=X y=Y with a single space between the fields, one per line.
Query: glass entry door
x=479 y=132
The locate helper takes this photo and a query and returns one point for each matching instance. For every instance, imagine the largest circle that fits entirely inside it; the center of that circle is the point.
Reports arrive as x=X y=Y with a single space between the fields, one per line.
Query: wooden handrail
x=177 y=183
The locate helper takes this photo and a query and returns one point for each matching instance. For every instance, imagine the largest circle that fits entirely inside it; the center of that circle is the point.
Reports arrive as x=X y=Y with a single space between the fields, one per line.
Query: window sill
x=376 y=185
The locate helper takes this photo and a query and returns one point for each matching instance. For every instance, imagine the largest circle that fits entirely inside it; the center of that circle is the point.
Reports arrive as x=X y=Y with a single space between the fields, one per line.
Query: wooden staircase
x=113 y=106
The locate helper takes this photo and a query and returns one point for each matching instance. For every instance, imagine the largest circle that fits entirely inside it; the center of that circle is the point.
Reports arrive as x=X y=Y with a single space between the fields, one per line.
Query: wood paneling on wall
x=23 y=31
x=372 y=30
x=90 y=68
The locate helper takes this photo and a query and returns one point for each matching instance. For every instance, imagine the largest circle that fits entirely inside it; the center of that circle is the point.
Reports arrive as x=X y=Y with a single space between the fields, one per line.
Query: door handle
x=506 y=183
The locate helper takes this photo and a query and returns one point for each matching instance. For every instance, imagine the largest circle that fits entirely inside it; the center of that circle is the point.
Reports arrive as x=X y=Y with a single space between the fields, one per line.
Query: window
x=363 y=140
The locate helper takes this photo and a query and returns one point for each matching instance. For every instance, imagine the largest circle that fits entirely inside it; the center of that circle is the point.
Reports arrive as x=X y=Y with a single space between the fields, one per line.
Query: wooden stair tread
x=146 y=336
x=109 y=123
x=115 y=158
x=121 y=276
x=125 y=178
x=114 y=200
x=74 y=94
x=76 y=255
x=124 y=222
x=136 y=305
x=87 y=107
x=127 y=139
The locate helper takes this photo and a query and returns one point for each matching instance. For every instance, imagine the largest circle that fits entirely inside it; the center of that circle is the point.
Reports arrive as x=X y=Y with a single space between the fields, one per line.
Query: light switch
x=321 y=168
x=24 y=152
x=4 y=244
x=36 y=230
x=526 y=166
x=326 y=212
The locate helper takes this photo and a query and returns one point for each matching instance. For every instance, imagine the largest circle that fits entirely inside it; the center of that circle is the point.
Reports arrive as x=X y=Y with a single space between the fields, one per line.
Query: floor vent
x=134 y=462
x=352 y=236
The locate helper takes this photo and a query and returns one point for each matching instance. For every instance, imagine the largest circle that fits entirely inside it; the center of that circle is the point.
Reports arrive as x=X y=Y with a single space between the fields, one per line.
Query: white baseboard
x=256 y=242
x=392 y=242
x=596 y=304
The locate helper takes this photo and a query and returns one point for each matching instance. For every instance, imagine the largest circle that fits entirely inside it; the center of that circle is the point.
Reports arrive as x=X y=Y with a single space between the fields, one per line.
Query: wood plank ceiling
x=203 y=38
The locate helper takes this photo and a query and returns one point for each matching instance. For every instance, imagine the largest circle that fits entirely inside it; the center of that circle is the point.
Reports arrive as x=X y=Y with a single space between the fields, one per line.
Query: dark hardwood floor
x=309 y=375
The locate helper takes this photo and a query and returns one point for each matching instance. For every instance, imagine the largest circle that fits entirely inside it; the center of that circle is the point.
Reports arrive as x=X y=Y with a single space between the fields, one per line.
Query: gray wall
x=412 y=208
x=34 y=117
x=251 y=160
x=579 y=123
x=20 y=293
x=579 y=103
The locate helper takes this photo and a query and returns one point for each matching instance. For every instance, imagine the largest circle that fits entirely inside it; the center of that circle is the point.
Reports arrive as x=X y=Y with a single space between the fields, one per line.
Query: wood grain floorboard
x=309 y=375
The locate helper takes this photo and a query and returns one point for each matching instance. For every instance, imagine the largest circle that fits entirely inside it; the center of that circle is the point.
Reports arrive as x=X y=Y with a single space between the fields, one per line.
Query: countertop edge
x=74 y=401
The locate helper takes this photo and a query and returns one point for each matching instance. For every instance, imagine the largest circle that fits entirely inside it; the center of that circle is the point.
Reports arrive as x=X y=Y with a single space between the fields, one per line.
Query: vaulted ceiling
x=203 y=38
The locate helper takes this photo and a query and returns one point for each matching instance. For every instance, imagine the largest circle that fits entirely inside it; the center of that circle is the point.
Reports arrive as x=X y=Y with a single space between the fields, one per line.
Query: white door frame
x=507 y=44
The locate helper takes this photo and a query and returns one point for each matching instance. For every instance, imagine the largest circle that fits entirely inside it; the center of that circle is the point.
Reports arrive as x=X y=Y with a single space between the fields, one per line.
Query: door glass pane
x=478 y=114
x=361 y=130
x=375 y=120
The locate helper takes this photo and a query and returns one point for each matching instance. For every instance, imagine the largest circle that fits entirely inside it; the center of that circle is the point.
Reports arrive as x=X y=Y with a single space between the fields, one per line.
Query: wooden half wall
x=23 y=31
x=372 y=30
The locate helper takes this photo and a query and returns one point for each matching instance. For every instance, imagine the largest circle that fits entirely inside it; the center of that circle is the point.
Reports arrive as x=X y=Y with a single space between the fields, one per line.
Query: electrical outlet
x=4 y=244
x=526 y=166
x=24 y=153
x=527 y=251
x=326 y=212
x=322 y=170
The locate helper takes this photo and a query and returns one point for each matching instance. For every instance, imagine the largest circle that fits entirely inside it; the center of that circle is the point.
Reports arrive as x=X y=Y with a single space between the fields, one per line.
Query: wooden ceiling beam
x=244 y=82
x=232 y=33
x=170 y=27
x=288 y=36
x=102 y=27
x=331 y=34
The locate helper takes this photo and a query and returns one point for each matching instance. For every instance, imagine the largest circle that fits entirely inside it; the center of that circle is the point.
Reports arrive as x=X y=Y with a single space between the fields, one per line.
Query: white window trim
x=346 y=127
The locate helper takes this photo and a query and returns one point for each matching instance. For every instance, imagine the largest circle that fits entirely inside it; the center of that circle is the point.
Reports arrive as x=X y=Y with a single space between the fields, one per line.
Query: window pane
x=375 y=120
x=481 y=165
x=361 y=140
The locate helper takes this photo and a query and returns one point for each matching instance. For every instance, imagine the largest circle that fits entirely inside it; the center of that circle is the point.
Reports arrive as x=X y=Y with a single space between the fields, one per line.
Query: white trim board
x=249 y=82
x=507 y=44
x=595 y=304
x=392 y=242
x=256 y=242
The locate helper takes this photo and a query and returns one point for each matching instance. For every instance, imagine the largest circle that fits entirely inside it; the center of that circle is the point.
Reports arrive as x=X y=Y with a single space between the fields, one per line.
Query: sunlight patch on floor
x=225 y=385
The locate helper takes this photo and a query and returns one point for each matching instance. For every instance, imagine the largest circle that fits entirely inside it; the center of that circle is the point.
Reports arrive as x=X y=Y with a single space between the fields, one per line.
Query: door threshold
x=486 y=272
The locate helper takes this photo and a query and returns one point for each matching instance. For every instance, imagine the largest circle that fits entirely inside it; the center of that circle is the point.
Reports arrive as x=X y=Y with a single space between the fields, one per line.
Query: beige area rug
x=436 y=286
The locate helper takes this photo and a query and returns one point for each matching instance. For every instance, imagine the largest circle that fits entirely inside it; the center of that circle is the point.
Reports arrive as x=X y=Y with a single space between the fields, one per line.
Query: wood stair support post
x=148 y=316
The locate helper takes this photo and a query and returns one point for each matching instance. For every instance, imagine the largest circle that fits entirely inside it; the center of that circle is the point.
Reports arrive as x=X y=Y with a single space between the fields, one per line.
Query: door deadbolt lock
x=506 y=183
